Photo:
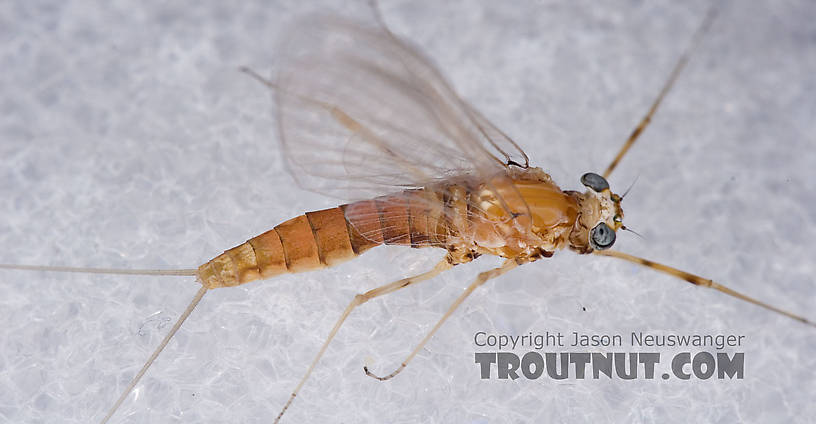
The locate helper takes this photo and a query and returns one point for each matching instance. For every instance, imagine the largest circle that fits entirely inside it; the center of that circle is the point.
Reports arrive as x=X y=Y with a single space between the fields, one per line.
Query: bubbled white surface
x=128 y=138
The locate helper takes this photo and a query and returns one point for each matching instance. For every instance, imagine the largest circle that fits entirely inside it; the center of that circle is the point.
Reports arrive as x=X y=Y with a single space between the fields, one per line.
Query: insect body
x=466 y=218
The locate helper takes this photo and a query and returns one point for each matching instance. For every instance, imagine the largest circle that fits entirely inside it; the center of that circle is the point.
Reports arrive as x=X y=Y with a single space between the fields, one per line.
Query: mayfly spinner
x=363 y=115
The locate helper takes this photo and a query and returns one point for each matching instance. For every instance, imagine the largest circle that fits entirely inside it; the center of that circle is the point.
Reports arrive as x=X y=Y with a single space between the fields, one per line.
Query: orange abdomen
x=328 y=237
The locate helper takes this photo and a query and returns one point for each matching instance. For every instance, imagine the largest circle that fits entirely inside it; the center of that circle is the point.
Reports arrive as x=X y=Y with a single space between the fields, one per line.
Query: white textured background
x=128 y=138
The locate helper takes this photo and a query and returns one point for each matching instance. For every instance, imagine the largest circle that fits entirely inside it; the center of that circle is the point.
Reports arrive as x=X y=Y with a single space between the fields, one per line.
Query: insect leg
x=667 y=86
x=358 y=300
x=201 y=292
x=481 y=279
x=699 y=281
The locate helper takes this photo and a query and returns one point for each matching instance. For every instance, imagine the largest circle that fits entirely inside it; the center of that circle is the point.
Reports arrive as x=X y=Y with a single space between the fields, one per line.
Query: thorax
x=522 y=215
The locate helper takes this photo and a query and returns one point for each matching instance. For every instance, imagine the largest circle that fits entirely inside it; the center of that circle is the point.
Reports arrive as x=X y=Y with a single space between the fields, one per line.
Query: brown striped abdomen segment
x=415 y=218
x=307 y=242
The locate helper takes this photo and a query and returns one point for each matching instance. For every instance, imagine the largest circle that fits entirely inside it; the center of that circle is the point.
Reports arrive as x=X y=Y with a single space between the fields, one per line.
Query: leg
x=481 y=279
x=681 y=63
x=358 y=300
x=699 y=281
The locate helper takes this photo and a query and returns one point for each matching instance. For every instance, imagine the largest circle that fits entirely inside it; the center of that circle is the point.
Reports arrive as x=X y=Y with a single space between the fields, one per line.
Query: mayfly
x=364 y=115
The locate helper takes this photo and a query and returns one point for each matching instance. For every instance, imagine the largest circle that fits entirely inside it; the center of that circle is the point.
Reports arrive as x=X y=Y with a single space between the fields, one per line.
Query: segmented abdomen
x=328 y=237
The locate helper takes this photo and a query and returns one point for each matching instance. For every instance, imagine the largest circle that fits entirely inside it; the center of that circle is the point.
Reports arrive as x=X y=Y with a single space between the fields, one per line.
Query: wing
x=362 y=113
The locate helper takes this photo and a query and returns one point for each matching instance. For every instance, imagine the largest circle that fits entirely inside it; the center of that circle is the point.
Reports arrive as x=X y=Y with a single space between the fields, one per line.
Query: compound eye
x=594 y=181
x=602 y=237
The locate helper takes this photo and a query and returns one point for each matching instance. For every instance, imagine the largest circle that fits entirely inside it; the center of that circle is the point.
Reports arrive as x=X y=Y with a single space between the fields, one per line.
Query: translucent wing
x=362 y=114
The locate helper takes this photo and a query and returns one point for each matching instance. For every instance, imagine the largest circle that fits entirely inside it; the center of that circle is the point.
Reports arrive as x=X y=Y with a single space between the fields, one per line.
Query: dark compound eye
x=594 y=181
x=602 y=237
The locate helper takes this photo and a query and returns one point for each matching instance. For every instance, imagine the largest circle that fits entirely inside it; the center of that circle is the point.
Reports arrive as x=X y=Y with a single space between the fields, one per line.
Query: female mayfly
x=469 y=189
